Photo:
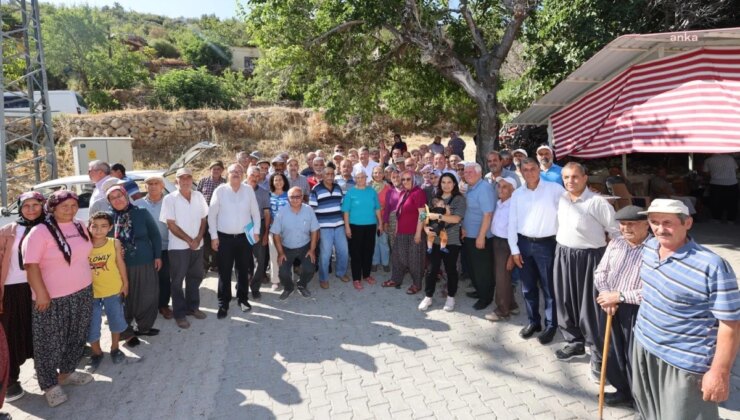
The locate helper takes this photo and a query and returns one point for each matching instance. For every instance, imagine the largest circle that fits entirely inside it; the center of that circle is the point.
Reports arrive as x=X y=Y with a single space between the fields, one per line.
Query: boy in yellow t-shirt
x=110 y=286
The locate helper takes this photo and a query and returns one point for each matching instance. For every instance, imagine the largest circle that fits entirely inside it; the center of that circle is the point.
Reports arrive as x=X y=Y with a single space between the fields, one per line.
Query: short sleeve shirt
x=186 y=214
x=480 y=200
x=295 y=228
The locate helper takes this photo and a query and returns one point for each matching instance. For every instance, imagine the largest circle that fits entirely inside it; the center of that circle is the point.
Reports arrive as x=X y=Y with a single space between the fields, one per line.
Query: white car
x=83 y=187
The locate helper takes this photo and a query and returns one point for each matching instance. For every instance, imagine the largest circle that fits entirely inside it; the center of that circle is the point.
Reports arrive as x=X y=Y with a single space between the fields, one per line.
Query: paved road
x=345 y=354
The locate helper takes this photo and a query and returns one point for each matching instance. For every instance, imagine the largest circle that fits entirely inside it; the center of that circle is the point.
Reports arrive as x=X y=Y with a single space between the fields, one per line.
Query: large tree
x=344 y=54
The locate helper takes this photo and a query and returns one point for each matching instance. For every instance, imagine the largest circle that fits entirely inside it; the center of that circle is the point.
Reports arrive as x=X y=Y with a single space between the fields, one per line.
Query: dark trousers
x=164 y=281
x=210 y=257
x=257 y=266
x=361 y=249
x=504 y=289
x=536 y=275
x=286 y=268
x=234 y=252
x=619 y=364
x=723 y=199
x=186 y=266
x=436 y=258
x=480 y=268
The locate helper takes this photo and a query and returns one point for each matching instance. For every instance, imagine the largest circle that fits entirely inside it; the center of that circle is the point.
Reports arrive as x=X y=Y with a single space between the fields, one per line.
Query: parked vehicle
x=17 y=104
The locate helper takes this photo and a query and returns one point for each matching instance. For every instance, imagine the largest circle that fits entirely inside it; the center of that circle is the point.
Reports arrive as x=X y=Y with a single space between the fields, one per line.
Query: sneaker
x=570 y=351
x=15 y=392
x=245 y=306
x=276 y=287
x=425 y=303
x=285 y=294
x=55 y=396
x=117 y=356
x=444 y=250
x=449 y=304
x=304 y=291
x=357 y=284
x=94 y=364
x=183 y=323
x=197 y=314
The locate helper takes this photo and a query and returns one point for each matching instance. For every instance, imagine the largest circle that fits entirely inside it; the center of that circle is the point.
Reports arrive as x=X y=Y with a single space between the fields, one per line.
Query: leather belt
x=543 y=239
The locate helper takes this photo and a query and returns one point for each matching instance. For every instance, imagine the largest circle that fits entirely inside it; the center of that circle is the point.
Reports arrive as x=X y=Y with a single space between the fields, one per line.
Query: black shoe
x=473 y=295
x=529 y=330
x=618 y=399
x=304 y=292
x=15 y=392
x=245 y=306
x=95 y=361
x=570 y=351
x=285 y=294
x=481 y=304
x=546 y=336
x=133 y=342
x=151 y=333
x=221 y=313
x=256 y=295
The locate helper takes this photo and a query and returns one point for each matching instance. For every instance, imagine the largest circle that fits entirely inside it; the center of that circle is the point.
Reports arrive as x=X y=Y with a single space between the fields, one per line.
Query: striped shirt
x=327 y=204
x=683 y=297
x=301 y=182
x=722 y=169
x=619 y=270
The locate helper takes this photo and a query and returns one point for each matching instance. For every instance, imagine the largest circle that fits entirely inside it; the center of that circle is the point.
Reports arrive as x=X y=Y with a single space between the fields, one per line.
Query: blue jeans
x=538 y=259
x=382 y=254
x=337 y=239
x=113 y=306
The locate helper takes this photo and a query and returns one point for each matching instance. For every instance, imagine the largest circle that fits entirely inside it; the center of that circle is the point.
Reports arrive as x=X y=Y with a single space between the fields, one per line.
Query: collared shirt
x=683 y=297
x=155 y=209
x=619 y=269
x=263 y=203
x=721 y=169
x=582 y=223
x=553 y=174
x=344 y=184
x=437 y=148
x=301 y=182
x=98 y=193
x=231 y=211
x=534 y=213
x=208 y=185
x=500 y=223
x=480 y=200
x=504 y=173
x=186 y=214
x=361 y=205
x=327 y=204
x=371 y=164
x=295 y=228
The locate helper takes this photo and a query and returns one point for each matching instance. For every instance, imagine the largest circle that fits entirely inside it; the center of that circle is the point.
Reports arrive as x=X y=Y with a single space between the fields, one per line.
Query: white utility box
x=108 y=149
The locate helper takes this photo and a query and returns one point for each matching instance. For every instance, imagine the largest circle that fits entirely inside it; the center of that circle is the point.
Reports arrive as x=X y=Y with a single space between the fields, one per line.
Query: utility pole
x=25 y=120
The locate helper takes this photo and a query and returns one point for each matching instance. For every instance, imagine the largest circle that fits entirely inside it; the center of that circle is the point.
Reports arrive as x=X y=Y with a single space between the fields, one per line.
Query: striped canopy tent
x=683 y=103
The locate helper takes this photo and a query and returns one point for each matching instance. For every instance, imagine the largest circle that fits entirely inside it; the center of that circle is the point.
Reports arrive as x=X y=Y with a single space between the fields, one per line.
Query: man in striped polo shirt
x=326 y=201
x=688 y=327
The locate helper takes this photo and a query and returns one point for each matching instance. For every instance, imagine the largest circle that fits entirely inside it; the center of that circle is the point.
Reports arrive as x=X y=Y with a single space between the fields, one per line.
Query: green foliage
x=190 y=89
x=214 y=55
x=101 y=101
x=165 y=49
x=123 y=70
x=236 y=87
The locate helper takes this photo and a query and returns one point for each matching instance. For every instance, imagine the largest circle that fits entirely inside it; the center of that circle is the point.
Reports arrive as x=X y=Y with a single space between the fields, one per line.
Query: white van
x=16 y=104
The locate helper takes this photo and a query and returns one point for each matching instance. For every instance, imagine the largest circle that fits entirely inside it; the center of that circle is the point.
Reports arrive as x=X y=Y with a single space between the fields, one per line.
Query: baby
x=436 y=227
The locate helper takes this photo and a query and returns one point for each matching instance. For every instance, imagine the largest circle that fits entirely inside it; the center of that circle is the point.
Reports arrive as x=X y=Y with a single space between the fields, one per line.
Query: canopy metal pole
x=624 y=164
x=691 y=161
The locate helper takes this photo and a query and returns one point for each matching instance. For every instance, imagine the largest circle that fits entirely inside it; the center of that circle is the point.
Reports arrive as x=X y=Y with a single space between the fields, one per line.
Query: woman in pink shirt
x=408 y=252
x=55 y=257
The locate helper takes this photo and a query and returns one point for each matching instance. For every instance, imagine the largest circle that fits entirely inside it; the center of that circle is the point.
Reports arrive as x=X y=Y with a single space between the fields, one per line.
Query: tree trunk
x=487 y=131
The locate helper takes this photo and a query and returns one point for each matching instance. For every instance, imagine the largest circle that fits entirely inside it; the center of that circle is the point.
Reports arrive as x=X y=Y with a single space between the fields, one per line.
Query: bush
x=190 y=89
x=101 y=101
x=165 y=49
x=211 y=54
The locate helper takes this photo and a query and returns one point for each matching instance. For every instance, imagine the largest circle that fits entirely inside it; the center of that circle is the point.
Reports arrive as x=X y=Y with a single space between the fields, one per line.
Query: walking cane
x=604 y=356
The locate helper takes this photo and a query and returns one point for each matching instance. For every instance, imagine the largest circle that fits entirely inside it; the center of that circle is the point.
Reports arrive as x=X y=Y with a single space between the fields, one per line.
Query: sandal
x=358 y=284
x=390 y=283
x=77 y=378
x=55 y=396
x=412 y=290
x=370 y=280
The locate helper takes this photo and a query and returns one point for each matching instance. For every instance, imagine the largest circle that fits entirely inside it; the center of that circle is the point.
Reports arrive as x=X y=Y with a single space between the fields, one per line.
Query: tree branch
x=339 y=28
x=521 y=9
x=477 y=37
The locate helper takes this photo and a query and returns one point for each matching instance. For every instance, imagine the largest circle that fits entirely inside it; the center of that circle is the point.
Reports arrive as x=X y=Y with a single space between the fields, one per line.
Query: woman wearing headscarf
x=142 y=250
x=15 y=305
x=55 y=258
x=408 y=253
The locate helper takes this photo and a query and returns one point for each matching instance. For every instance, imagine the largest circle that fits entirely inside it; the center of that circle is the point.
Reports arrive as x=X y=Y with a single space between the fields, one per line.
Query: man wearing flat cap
x=688 y=328
x=207 y=186
x=619 y=292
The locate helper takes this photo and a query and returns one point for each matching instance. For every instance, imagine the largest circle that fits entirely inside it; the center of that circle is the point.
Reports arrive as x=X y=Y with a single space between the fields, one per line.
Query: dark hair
x=118 y=167
x=102 y=215
x=331 y=165
x=286 y=187
x=455 y=185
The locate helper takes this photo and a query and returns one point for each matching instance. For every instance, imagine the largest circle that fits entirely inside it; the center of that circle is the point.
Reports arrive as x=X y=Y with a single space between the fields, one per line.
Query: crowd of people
x=354 y=213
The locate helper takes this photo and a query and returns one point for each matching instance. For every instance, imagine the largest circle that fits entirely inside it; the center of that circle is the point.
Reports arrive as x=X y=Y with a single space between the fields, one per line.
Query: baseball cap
x=278 y=159
x=631 y=213
x=151 y=178
x=509 y=180
x=255 y=154
x=544 y=146
x=522 y=151
x=667 y=205
x=182 y=172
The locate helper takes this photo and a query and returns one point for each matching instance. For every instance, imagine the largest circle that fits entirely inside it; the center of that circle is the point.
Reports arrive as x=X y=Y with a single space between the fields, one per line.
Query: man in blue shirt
x=549 y=171
x=476 y=226
x=688 y=327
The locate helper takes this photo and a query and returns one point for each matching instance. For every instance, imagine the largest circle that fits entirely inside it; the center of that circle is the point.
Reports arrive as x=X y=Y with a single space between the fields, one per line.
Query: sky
x=172 y=8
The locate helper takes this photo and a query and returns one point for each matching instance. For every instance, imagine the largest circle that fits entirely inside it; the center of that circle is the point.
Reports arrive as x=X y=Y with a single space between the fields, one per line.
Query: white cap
x=522 y=151
x=544 y=146
x=182 y=172
x=508 y=180
x=666 y=205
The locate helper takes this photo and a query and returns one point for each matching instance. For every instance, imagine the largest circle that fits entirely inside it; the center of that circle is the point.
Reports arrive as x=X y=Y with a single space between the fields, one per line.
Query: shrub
x=211 y=54
x=190 y=89
x=165 y=49
x=101 y=101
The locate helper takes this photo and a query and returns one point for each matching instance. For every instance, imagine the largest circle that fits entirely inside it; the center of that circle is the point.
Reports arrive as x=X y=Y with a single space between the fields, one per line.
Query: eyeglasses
x=405 y=179
x=295 y=197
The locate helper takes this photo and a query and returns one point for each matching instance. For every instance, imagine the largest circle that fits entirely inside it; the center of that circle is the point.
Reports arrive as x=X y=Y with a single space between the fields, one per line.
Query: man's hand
x=517 y=258
x=43 y=301
x=311 y=254
x=348 y=232
x=715 y=385
x=608 y=298
x=265 y=240
x=194 y=243
x=124 y=289
x=280 y=258
x=480 y=242
x=510 y=263
x=214 y=244
x=157 y=264
x=256 y=238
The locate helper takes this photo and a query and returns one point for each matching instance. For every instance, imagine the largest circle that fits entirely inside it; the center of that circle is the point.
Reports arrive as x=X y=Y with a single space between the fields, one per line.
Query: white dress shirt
x=371 y=164
x=186 y=214
x=582 y=223
x=500 y=223
x=230 y=211
x=534 y=213
x=98 y=193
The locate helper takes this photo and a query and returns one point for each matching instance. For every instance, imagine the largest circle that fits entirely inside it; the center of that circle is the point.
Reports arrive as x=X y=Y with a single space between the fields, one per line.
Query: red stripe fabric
x=683 y=103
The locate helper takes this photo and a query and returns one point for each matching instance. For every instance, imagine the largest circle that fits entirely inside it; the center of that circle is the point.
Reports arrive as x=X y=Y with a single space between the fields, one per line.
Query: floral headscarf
x=55 y=199
x=28 y=223
x=123 y=226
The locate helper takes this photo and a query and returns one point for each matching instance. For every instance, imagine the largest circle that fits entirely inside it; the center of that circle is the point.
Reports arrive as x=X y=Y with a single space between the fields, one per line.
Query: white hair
x=253 y=170
x=478 y=168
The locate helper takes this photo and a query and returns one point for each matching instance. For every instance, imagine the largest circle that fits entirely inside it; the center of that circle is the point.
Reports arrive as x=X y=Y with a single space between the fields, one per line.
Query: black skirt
x=16 y=320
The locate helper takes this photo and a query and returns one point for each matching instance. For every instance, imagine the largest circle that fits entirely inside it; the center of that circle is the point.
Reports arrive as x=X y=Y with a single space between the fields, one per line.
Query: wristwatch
x=621 y=297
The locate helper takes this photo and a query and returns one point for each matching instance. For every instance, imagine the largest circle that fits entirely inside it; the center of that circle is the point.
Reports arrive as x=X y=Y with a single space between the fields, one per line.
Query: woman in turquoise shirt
x=362 y=222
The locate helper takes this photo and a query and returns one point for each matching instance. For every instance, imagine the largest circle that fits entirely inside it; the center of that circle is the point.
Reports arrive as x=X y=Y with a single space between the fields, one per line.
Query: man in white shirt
x=584 y=219
x=232 y=212
x=532 y=227
x=99 y=172
x=723 y=188
x=365 y=163
x=184 y=211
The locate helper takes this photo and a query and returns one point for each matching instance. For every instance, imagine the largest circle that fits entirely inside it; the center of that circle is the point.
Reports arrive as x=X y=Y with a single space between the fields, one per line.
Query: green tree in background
x=200 y=51
x=190 y=89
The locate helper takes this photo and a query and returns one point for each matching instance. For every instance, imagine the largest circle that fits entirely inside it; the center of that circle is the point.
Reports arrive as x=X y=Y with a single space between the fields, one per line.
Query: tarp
x=682 y=103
